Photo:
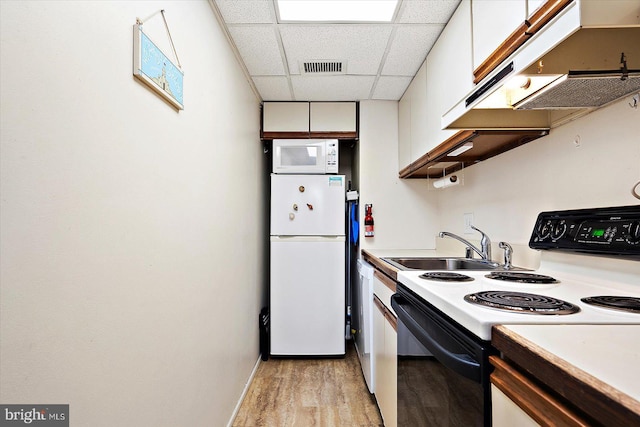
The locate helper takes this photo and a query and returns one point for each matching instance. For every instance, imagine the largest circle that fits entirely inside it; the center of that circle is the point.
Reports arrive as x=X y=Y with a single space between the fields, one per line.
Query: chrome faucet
x=485 y=243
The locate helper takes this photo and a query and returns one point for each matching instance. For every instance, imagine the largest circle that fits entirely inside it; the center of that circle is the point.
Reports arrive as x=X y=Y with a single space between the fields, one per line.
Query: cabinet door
x=390 y=374
x=285 y=117
x=493 y=22
x=419 y=141
x=505 y=412
x=333 y=117
x=449 y=73
x=404 y=131
x=412 y=120
x=378 y=351
x=386 y=370
x=384 y=287
x=444 y=79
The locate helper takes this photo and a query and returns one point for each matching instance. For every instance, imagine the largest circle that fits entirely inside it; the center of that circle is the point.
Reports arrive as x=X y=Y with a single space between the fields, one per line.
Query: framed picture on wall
x=152 y=67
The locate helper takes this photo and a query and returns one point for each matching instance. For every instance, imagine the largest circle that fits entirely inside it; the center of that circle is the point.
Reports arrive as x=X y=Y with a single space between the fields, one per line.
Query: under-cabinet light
x=337 y=11
x=466 y=147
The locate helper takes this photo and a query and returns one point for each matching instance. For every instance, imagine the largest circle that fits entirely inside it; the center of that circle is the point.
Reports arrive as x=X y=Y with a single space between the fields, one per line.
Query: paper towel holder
x=447 y=181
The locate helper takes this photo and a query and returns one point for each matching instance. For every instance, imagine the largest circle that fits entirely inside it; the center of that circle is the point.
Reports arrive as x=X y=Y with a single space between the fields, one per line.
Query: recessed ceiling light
x=337 y=11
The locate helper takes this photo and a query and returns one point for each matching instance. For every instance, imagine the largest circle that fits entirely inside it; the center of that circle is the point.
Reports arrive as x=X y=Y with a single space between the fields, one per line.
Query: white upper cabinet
x=285 y=117
x=412 y=120
x=449 y=72
x=404 y=131
x=309 y=120
x=419 y=113
x=444 y=78
x=333 y=117
x=493 y=23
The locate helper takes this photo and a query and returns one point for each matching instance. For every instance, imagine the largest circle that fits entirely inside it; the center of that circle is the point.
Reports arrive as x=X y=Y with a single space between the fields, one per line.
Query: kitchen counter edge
x=593 y=395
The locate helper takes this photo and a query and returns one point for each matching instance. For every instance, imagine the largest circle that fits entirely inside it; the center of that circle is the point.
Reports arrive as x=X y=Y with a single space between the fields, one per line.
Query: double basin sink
x=447 y=264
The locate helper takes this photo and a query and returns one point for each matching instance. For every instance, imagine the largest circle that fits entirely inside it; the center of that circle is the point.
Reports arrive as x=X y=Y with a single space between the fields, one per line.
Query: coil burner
x=446 y=276
x=511 y=276
x=621 y=303
x=521 y=302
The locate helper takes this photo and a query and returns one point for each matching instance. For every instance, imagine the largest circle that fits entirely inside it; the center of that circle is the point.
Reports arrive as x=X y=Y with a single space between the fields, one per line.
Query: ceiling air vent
x=323 y=67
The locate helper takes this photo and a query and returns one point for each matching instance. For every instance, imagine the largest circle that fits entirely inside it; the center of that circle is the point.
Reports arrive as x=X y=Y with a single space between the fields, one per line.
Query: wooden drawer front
x=536 y=402
x=384 y=287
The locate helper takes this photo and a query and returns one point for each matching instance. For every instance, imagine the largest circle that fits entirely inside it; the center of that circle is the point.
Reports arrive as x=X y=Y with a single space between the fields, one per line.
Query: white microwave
x=305 y=156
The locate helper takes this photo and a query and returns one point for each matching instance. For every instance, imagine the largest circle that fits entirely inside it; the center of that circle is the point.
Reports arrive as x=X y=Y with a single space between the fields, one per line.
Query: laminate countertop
x=595 y=367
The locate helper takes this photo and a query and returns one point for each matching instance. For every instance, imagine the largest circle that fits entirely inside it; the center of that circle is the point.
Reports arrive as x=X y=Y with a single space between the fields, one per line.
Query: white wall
x=131 y=234
x=403 y=210
x=507 y=192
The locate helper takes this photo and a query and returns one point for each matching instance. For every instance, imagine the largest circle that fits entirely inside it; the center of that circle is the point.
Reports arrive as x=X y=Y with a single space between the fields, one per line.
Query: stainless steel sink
x=428 y=263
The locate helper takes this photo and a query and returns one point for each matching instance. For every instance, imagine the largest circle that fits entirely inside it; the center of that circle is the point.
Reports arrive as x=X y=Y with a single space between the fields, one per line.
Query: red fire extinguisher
x=368 y=221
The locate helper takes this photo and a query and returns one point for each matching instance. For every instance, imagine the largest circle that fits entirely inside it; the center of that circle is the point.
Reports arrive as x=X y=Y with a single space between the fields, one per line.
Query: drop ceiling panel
x=427 y=11
x=390 y=87
x=332 y=88
x=380 y=59
x=273 y=88
x=259 y=48
x=362 y=46
x=247 y=11
x=409 y=49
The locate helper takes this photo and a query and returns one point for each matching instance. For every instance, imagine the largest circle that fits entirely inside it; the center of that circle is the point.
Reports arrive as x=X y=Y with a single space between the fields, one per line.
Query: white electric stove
x=569 y=287
x=444 y=326
x=587 y=253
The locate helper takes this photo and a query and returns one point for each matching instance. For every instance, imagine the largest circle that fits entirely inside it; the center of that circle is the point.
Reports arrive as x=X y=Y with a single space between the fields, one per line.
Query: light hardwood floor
x=309 y=392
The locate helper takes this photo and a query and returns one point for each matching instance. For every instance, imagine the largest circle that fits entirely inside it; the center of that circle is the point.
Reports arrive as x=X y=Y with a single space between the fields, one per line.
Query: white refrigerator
x=307 y=283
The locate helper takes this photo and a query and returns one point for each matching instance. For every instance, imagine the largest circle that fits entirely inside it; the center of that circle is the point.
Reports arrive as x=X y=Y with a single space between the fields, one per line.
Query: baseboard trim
x=244 y=392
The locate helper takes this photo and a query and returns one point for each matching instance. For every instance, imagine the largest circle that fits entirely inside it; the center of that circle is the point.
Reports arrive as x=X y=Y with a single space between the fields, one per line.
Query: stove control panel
x=611 y=231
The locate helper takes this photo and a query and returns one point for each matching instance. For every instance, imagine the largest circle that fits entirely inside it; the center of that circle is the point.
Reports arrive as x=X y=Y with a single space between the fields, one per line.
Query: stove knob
x=634 y=232
x=558 y=230
x=544 y=229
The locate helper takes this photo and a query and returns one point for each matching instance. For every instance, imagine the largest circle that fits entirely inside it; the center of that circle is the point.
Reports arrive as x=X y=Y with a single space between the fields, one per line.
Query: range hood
x=586 y=57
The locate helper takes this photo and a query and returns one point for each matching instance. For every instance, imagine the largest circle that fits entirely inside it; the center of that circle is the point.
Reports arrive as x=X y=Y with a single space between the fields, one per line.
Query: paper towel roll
x=446 y=182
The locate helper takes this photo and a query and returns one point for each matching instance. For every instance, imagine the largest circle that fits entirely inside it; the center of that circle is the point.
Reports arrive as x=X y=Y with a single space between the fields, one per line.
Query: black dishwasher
x=443 y=369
